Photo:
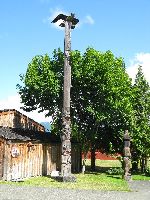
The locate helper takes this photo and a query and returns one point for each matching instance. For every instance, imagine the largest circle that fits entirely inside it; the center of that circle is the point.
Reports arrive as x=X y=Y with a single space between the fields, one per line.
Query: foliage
x=103 y=94
x=147 y=172
x=43 y=84
x=141 y=104
x=115 y=171
x=101 y=108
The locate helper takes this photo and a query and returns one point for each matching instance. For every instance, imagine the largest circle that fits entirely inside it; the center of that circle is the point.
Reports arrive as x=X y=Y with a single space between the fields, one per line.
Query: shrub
x=115 y=171
x=147 y=172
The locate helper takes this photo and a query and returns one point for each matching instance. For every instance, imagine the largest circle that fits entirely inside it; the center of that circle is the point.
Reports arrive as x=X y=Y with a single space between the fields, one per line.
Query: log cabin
x=26 y=150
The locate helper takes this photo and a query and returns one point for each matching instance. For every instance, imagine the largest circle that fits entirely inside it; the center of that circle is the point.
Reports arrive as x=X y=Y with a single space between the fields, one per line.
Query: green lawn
x=140 y=177
x=89 y=181
x=104 y=165
x=94 y=181
x=98 y=180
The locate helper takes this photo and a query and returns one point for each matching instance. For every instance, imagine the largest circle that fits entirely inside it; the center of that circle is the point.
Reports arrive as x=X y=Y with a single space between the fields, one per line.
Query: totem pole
x=127 y=157
x=69 y=23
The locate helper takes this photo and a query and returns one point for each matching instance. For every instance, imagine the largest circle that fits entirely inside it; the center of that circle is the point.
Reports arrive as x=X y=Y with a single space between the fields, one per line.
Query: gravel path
x=140 y=191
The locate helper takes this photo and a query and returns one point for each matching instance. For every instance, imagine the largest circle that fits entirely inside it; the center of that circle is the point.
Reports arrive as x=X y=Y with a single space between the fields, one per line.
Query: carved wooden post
x=69 y=23
x=127 y=157
x=66 y=122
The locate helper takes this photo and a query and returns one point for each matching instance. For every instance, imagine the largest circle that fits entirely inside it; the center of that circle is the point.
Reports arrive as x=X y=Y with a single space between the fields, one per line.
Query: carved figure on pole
x=69 y=23
x=127 y=157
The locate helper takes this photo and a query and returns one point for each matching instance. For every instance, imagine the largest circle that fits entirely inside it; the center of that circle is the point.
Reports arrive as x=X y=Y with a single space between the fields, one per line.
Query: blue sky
x=122 y=26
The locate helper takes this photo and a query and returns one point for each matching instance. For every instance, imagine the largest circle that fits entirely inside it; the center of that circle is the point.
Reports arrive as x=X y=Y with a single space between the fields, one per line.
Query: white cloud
x=89 y=20
x=13 y=102
x=86 y=20
x=142 y=59
x=53 y=14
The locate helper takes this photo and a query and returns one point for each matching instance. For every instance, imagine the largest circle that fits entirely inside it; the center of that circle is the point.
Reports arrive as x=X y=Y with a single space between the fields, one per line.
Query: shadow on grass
x=115 y=176
x=53 y=179
x=99 y=170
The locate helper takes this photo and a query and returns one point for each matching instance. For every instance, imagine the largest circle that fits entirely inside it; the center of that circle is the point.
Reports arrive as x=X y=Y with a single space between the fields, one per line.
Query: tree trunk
x=83 y=165
x=143 y=164
x=135 y=163
x=146 y=163
x=93 y=159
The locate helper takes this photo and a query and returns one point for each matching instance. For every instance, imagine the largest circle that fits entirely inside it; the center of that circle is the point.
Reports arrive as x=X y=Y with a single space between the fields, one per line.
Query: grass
x=98 y=180
x=104 y=165
x=140 y=177
x=89 y=181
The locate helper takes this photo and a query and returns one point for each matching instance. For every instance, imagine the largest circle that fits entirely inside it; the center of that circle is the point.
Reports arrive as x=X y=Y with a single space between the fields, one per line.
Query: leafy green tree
x=141 y=132
x=103 y=100
x=100 y=96
x=43 y=84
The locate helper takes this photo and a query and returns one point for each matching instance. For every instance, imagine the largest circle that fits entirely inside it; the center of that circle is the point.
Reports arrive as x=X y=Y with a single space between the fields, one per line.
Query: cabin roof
x=10 y=134
x=27 y=135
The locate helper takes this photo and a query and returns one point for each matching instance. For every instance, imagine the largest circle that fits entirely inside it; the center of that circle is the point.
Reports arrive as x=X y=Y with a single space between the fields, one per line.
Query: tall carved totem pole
x=127 y=156
x=69 y=23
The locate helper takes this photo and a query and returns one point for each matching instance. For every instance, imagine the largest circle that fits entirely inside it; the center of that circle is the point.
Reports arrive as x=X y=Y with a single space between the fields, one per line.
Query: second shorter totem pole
x=127 y=156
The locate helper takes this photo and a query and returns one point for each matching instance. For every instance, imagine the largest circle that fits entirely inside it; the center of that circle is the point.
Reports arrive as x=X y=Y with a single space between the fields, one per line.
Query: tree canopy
x=100 y=95
x=141 y=104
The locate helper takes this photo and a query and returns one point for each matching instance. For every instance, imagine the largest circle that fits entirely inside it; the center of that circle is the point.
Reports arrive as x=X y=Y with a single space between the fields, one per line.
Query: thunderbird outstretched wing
x=63 y=17
x=60 y=16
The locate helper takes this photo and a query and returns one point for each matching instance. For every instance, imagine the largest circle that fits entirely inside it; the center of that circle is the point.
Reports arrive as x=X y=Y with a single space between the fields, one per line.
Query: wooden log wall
x=34 y=160
x=1 y=158
x=27 y=164
x=7 y=119
x=52 y=158
x=15 y=119
x=76 y=158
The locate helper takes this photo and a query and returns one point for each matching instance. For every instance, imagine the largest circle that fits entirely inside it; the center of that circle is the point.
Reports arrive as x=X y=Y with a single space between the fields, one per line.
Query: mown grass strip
x=91 y=181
